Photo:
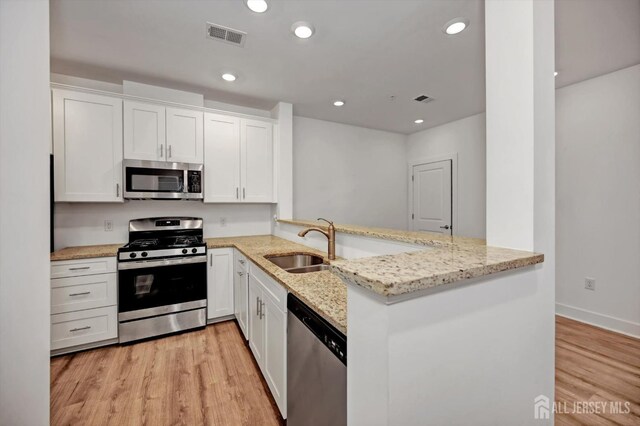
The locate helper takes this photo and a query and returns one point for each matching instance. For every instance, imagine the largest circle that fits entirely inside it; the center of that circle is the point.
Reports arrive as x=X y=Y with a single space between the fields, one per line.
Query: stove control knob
x=184 y=251
x=194 y=250
x=132 y=255
x=143 y=254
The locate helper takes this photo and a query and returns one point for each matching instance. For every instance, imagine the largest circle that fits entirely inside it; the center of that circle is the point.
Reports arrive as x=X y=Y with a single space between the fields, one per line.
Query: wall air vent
x=226 y=34
x=423 y=98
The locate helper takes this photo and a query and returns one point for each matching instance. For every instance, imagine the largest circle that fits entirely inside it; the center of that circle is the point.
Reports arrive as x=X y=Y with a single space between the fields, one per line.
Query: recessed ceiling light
x=419 y=121
x=455 y=26
x=303 y=29
x=258 y=6
x=228 y=77
x=338 y=103
x=555 y=73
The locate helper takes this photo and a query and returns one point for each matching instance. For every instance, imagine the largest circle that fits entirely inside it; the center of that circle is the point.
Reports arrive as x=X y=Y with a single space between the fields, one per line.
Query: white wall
x=83 y=223
x=24 y=212
x=349 y=174
x=598 y=192
x=466 y=137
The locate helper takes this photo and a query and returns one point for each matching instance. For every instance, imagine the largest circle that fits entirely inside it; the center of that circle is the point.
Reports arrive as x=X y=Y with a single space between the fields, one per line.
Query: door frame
x=454 y=186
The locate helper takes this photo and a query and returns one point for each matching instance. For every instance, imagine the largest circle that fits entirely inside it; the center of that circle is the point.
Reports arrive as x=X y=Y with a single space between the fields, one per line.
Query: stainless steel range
x=162 y=278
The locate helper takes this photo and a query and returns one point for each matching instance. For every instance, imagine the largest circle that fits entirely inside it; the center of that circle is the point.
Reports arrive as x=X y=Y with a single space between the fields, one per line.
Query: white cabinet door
x=87 y=142
x=275 y=352
x=220 y=283
x=184 y=136
x=144 y=131
x=221 y=158
x=256 y=325
x=241 y=298
x=256 y=139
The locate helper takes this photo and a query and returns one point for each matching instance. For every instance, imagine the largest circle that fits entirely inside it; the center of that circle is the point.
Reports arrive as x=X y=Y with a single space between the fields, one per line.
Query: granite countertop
x=322 y=291
x=449 y=259
x=86 y=252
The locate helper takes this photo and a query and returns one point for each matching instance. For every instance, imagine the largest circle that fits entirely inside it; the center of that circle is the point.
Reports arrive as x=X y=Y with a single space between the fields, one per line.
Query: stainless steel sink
x=299 y=263
x=305 y=269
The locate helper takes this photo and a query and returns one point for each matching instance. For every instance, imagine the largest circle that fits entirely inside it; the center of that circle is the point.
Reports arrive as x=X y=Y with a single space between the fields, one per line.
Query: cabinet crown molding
x=159 y=102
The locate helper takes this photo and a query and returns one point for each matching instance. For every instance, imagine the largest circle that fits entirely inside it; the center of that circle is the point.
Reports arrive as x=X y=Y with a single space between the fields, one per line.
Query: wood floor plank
x=205 y=377
x=596 y=365
x=209 y=377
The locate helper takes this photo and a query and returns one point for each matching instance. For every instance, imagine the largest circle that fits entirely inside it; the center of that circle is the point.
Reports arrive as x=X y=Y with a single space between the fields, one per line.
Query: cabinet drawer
x=85 y=292
x=75 y=268
x=277 y=292
x=82 y=327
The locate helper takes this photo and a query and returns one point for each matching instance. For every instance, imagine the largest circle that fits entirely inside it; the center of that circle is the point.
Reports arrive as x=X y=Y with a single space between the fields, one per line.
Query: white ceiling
x=363 y=52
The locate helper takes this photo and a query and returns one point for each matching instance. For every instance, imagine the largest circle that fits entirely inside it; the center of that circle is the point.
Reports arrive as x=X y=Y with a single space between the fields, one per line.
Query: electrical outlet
x=108 y=225
x=590 y=284
x=223 y=221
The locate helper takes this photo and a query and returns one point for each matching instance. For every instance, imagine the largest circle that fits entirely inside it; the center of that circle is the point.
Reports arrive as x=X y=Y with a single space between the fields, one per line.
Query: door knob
x=445 y=227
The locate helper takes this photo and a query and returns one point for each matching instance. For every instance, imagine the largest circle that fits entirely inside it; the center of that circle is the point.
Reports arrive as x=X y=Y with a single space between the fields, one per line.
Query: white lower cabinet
x=268 y=332
x=83 y=327
x=241 y=293
x=83 y=304
x=220 y=301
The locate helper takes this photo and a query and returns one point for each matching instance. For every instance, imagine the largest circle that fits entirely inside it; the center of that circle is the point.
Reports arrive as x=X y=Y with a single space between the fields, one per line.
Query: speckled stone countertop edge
x=434 y=280
x=411 y=237
x=85 y=252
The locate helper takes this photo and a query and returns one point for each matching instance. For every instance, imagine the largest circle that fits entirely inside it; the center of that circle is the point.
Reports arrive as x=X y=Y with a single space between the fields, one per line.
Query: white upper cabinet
x=238 y=160
x=87 y=146
x=256 y=149
x=144 y=131
x=222 y=158
x=157 y=133
x=184 y=136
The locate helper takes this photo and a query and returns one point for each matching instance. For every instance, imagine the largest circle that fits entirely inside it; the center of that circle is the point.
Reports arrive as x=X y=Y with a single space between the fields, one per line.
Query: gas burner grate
x=150 y=242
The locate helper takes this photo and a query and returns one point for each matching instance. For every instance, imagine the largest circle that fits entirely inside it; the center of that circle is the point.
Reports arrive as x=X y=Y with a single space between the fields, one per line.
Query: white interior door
x=432 y=210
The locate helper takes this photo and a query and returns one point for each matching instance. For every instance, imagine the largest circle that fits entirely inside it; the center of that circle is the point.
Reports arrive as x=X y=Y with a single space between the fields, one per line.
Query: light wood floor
x=206 y=377
x=593 y=364
x=209 y=377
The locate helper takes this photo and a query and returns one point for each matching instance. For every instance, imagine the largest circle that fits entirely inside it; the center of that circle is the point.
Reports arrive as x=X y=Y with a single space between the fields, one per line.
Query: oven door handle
x=141 y=264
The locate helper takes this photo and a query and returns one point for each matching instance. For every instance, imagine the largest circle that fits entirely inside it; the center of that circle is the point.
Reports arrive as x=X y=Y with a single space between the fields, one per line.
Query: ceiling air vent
x=226 y=34
x=423 y=98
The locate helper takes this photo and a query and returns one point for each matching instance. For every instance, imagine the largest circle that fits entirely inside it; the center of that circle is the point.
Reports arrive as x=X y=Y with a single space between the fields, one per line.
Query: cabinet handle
x=80 y=268
x=81 y=328
x=211 y=260
x=244 y=195
x=161 y=150
x=258 y=307
x=84 y=293
x=169 y=151
x=117 y=189
x=261 y=309
x=241 y=261
x=237 y=193
x=240 y=273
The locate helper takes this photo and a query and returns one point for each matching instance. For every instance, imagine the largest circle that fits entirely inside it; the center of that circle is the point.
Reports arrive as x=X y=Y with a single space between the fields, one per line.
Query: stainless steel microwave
x=160 y=180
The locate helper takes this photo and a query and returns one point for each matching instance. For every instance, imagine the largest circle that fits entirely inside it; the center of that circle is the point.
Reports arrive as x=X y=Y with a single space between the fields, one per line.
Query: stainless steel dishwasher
x=316 y=369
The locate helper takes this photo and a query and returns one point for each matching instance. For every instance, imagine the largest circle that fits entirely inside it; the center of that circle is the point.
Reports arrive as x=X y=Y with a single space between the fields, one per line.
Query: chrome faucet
x=330 y=234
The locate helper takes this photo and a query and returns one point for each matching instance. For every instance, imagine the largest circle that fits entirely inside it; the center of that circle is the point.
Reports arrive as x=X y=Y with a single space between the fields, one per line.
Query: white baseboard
x=599 y=320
